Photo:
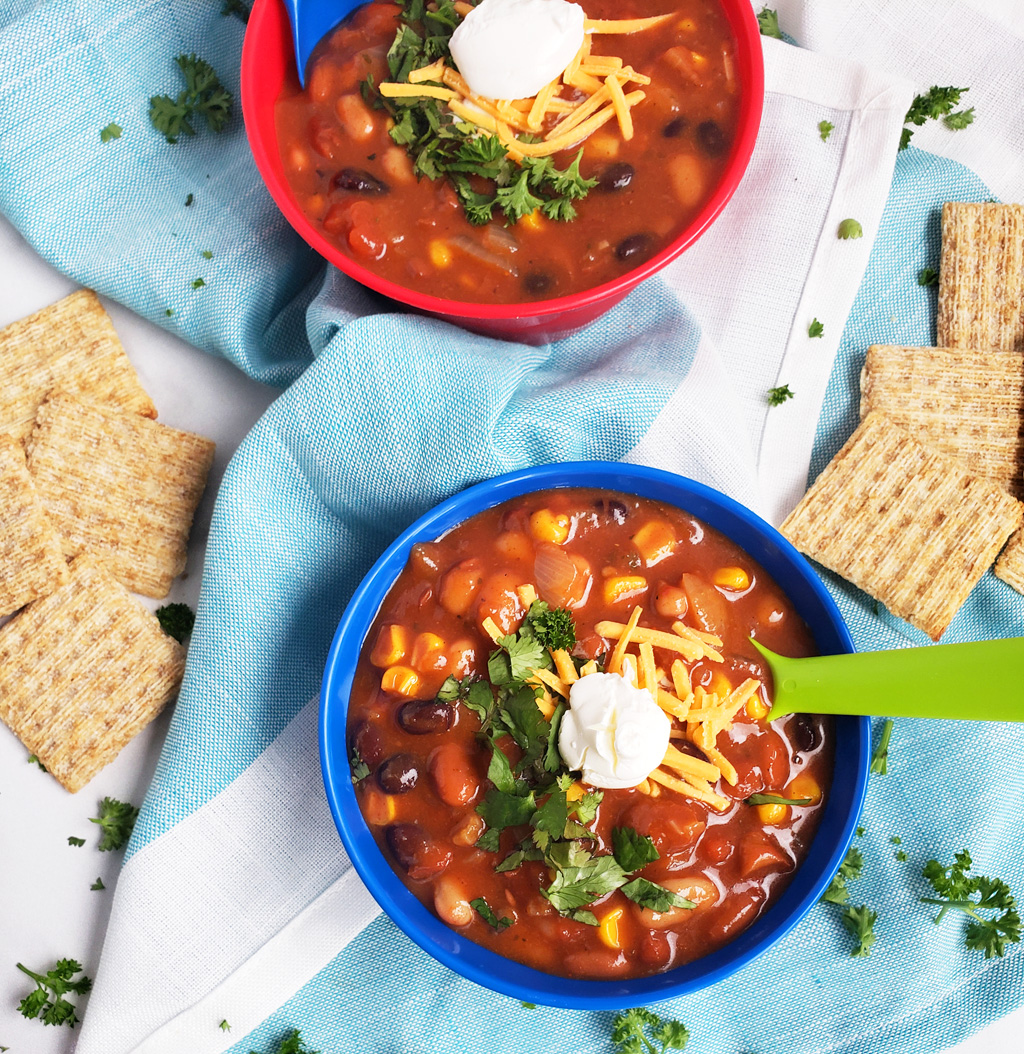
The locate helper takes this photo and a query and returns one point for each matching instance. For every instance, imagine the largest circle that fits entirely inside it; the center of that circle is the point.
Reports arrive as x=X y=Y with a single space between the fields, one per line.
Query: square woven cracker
x=119 y=486
x=981 y=279
x=1010 y=565
x=82 y=671
x=31 y=562
x=968 y=405
x=70 y=346
x=906 y=525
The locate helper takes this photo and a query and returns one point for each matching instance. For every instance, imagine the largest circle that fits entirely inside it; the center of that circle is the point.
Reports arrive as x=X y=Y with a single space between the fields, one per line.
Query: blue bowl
x=849 y=782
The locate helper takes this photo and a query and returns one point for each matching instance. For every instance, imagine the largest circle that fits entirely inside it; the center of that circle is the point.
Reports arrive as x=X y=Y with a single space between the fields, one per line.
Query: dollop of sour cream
x=613 y=733
x=509 y=49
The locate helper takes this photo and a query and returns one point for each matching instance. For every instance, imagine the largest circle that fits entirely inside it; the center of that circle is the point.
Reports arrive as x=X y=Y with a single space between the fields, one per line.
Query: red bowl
x=268 y=59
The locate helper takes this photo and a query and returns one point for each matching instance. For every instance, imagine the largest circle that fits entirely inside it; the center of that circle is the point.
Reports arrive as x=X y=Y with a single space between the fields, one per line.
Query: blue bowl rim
x=479 y=964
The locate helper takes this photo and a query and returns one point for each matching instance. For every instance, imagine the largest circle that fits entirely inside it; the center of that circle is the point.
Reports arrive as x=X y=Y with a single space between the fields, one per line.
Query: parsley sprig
x=442 y=146
x=973 y=895
x=117 y=820
x=47 y=1000
x=291 y=1043
x=176 y=620
x=533 y=794
x=637 y=1031
x=203 y=96
x=849 y=869
x=931 y=105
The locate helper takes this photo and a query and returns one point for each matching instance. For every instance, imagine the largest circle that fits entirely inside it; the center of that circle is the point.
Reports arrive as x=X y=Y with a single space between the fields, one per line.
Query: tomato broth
x=421 y=762
x=360 y=189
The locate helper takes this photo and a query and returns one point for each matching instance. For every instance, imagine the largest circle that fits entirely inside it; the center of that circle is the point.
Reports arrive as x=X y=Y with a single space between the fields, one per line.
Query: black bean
x=634 y=248
x=618 y=510
x=616 y=177
x=366 y=740
x=537 y=282
x=398 y=774
x=360 y=181
x=415 y=851
x=422 y=716
x=711 y=139
x=806 y=732
x=675 y=127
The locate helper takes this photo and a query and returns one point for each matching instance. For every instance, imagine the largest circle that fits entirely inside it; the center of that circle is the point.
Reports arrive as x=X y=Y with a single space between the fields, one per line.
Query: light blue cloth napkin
x=397 y=412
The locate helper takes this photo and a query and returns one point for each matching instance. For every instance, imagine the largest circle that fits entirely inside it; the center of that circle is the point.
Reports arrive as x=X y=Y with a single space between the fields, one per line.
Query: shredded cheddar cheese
x=601 y=79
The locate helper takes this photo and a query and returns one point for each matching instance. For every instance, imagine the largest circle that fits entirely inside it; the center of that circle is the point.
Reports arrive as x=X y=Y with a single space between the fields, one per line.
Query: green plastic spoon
x=977 y=681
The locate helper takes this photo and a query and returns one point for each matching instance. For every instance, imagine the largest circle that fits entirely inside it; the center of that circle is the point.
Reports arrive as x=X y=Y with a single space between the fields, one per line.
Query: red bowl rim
x=262 y=135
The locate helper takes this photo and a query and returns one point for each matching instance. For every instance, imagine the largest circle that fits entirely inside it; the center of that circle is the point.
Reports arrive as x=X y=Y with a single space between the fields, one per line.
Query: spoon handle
x=977 y=681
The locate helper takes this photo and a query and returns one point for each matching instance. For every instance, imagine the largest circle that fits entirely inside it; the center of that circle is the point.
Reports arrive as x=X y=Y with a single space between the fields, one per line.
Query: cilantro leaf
x=483 y=909
x=927 y=276
x=176 y=620
x=850 y=229
x=825 y=130
x=849 y=869
x=117 y=819
x=72 y=840
x=631 y=849
x=815 y=329
x=33 y=760
x=360 y=770
x=974 y=894
x=46 y=1000
x=198 y=283
x=880 y=758
x=112 y=131
x=650 y=895
x=204 y=96
x=224 y=1026
x=98 y=884
x=859 y=923
x=777 y=396
x=637 y=1031
x=575 y=887
x=586 y=807
x=768 y=23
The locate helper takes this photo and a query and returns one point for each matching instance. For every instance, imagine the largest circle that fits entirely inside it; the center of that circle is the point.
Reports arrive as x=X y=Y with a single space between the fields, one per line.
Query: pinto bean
x=450 y=902
x=455 y=776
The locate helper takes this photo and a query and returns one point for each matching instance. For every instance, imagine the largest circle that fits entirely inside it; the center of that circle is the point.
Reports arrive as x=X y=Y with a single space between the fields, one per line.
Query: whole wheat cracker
x=119 y=486
x=906 y=525
x=966 y=404
x=71 y=346
x=1010 y=565
x=82 y=671
x=31 y=562
x=981 y=279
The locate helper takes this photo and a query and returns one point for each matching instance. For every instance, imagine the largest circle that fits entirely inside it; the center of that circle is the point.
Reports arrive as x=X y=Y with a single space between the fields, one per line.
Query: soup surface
x=454 y=735
x=372 y=198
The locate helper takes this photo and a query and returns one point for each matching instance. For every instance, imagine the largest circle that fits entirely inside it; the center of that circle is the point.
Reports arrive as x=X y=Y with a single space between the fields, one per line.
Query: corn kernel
x=720 y=685
x=608 y=929
x=532 y=221
x=547 y=526
x=654 y=542
x=379 y=808
x=771 y=815
x=757 y=709
x=391 y=646
x=425 y=651
x=804 y=786
x=731 y=578
x=440 y=254
x=400 y=680
x=618 y=588
x=575 y=792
